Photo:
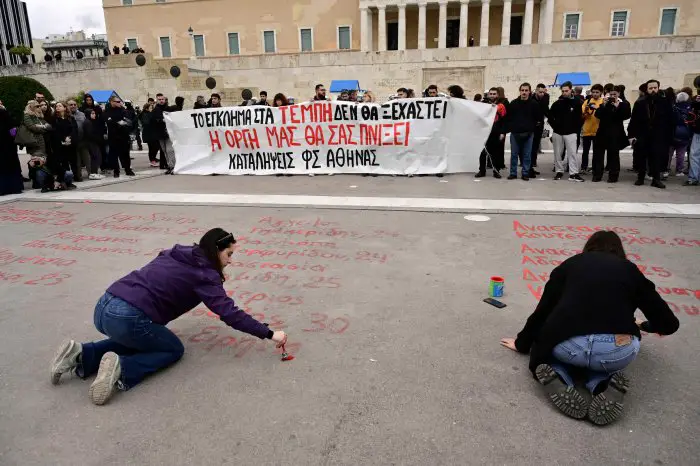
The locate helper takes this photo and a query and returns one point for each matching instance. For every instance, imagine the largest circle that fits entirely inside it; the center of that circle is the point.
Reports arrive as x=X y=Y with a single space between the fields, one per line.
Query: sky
x=59 y=16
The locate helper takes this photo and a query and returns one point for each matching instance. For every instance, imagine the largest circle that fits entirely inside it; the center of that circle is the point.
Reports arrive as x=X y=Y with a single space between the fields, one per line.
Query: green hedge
x=16 y=91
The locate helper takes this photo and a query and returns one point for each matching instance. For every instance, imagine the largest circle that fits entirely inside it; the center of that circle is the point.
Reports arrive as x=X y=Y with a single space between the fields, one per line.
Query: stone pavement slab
x=398 y=359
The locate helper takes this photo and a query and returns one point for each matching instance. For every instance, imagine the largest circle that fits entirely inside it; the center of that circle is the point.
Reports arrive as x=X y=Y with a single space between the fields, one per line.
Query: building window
x=619 y=24
x=132 y=44
x=199 y=49
x=572 y=24
x=127 y=2
x=234 y=46
x=269 y=42
x=668 y=21
x=165 y=51
x=306 y=40
x=344 y=38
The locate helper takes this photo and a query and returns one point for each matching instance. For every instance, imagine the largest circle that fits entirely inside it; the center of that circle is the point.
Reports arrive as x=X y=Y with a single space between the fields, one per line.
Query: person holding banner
x=134 y=311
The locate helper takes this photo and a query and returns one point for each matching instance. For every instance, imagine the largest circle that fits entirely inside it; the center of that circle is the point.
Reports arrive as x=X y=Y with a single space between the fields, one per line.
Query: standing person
x=62 y=162
x=636 y=157
x=565 y=120
x=402 y=93
x=590 y=122
x=201 y=102
x=541 y=97
x=149 y=135
x=82 y=152
x=134 y=311
x=135 y=135
x=432 y=91
x=523 y=114
x=368 y=97
x=118 y=139
x=263 y=99
x=682 y=133
x=161 y=132
x=215 y=101
x=694 y=156
x=11 y=181
x=611 y=136
x=94 y=131
x=494 y=144
x=320 y=92
x=280 y=100
x=651 y=131
x=34 y=127
x=585 y=320
x=89 y=103
x=456 y=92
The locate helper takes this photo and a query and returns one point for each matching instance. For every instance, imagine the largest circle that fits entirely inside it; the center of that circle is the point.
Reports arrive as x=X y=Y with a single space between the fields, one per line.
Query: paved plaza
x=397 y=357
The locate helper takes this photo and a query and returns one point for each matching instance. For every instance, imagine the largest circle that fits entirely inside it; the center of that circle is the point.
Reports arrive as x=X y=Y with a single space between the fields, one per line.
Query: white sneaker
x=95 y=176
x=105 y=383
x=66 y=359
x=680 y=174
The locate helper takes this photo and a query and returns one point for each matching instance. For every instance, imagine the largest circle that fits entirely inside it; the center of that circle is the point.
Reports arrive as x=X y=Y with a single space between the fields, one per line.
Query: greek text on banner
x=401 y=137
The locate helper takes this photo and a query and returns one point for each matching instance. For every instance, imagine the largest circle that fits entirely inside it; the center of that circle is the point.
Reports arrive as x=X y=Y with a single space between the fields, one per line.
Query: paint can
x=496 y=287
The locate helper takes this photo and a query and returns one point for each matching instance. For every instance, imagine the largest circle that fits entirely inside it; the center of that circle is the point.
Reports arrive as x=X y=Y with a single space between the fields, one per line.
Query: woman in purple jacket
x=134 y=311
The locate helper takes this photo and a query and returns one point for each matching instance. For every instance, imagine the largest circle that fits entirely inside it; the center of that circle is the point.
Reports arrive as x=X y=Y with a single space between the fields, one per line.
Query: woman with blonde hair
x=31 y=132
x=368 y=97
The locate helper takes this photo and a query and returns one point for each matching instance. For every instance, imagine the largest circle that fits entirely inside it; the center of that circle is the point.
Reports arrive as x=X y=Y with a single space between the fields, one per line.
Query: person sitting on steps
x=592 y=333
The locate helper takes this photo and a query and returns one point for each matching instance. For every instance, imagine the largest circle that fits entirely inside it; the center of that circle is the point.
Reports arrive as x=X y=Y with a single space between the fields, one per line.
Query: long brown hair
x=65 y=114
x=213 y=242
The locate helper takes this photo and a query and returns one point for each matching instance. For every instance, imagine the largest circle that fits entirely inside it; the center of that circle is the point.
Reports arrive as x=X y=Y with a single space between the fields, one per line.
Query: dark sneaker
x=558 y=176
x=612 y=179
x=66 y=359
x=525 y=178
x=105 y=383
x=497 y=174
x=690 y=183
x=576 y=178
x=129 y=172
x=639 y=182
x=480 y=174
x=567 y=399
x=606 y=407
x=596 y=179
x=512 y=177
x=658 y=184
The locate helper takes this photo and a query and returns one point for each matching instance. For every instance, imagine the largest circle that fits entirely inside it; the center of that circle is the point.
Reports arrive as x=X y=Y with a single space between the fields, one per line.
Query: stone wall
x=674 y=61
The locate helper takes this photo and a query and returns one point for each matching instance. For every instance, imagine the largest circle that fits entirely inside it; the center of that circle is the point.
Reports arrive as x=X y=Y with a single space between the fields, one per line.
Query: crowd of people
x=62 y=139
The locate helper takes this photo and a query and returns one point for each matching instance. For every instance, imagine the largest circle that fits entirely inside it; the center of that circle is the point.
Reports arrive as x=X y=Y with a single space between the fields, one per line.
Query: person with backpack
x=682 y=133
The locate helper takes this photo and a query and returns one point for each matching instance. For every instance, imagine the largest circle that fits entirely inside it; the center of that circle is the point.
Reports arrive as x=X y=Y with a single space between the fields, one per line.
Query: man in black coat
x=565 y=120
x=651 y=133
x=118 y=136
x=522 y=116
x=160 y=131
x=541 y=97
x=611 y=135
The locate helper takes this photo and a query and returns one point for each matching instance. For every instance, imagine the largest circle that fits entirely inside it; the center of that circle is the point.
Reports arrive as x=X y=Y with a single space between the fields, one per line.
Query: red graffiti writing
x=210 y=338
x=283 y=281
x=8 y=257
x=42 y=217
x=320 y=323
x=41 y=244
x=246 y=298
x=76 y=238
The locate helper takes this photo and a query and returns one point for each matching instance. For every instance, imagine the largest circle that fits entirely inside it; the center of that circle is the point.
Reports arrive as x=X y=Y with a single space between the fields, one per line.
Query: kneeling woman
x=135 y=309
x=585 y=322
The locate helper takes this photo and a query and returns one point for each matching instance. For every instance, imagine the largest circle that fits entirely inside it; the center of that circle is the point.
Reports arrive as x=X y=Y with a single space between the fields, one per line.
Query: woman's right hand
x=280 y=338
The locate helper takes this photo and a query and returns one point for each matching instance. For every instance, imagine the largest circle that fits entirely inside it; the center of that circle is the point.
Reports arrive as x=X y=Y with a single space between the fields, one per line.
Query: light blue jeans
x=694 y=159
x=597 y=353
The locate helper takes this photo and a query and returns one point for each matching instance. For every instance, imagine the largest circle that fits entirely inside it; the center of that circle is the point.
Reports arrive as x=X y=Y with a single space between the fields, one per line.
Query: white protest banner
x=400 y=137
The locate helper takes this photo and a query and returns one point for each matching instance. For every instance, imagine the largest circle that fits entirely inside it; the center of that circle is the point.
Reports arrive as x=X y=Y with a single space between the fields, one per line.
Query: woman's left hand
x=509 y=343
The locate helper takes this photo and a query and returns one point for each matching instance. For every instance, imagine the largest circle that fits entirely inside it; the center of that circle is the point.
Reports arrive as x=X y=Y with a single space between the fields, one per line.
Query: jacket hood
x=190 y=255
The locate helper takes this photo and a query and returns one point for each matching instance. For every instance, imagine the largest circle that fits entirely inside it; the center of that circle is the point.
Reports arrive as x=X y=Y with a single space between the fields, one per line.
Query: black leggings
x=153 y=148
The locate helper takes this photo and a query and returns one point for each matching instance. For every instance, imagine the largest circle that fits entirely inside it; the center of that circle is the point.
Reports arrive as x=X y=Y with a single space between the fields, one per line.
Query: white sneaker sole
x=105 y=383
x=61 y=362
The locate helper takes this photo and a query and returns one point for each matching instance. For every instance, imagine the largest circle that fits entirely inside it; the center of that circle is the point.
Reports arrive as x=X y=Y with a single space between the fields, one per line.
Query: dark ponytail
x=213 y=242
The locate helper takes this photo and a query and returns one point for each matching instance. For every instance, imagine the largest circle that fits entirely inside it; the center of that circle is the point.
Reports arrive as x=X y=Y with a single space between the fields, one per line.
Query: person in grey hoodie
x=135 y=310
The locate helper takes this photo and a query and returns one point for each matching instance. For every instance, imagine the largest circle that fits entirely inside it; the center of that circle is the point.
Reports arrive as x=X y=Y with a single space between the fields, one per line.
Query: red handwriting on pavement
x=210 y=337
x=38 y=216
x=150 y=223
x=8 y=257
x=50 y=279
x=76 y=238
x=284 y=281
x=42 y=244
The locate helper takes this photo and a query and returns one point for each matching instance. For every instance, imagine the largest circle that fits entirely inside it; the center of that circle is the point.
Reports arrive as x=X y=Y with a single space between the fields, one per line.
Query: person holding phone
x=134 y=311
x=593 y=333
x=611 y=136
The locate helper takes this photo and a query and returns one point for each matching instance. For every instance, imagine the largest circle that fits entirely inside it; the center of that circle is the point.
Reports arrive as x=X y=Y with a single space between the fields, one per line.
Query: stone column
x=365 y=24
x=484 y=36
x=505 y=26
x=421 y=24
x=548 y=22
x=381 y=39
x=402 y=26
x=464 y=23
x=527 y=21
x=442 y=34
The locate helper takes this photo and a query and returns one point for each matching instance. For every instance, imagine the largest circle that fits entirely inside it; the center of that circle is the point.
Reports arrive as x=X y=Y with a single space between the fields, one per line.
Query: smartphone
x=495 y=302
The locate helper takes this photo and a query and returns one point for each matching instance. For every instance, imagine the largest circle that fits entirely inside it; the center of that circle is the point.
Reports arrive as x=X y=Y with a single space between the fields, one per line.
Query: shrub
x=21 y=50
x=16 y=91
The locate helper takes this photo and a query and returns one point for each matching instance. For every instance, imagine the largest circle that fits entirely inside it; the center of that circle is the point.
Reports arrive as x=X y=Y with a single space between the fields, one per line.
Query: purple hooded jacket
x=178 y=280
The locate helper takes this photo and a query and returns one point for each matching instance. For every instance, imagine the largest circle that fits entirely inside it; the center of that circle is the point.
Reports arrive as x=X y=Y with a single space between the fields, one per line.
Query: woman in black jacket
x=148 y=133
x=573 y=327
x=63 y=139
x=94 y=130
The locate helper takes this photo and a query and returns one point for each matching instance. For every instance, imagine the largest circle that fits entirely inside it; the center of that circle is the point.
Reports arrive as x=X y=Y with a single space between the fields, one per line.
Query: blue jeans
x=42 y=176
x=597 y=353
x=520 y=145
x=694 y=159
x=143 y=347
